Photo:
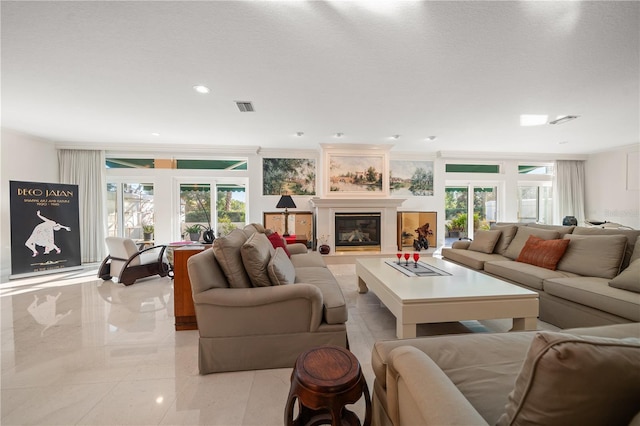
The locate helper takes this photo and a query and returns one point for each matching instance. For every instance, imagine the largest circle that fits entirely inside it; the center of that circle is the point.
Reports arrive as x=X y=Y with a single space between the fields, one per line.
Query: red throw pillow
x=277 y=241
x=543 y=253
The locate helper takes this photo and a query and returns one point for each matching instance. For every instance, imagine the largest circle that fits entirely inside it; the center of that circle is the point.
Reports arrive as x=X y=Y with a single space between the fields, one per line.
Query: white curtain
x=86 y=169
x=568 y=190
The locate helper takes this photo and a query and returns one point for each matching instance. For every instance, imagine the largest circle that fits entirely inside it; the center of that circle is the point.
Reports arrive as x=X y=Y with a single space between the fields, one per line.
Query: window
x=535 y=203
x=129 y=208
x=472 y=168
x=160 y=163
x=535 y=170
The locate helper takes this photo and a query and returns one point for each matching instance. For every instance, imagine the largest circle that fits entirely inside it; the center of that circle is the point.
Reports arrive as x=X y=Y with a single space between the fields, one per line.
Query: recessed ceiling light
x=563 y=119
x=533 y=119
x=299 y=134
x=339 y=135
x=563 y=142
x=201 y=89
x=155 y=134
x=431 y=138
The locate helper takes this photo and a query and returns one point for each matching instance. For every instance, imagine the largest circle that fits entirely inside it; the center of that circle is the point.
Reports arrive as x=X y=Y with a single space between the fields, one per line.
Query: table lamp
x=285 y=203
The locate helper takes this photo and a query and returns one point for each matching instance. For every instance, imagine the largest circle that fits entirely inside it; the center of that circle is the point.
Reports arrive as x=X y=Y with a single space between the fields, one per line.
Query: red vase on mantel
x=324 y=249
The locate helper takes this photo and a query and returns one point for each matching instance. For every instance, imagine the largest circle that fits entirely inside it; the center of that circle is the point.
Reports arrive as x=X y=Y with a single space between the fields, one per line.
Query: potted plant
x=193 y=231
x=147 y=232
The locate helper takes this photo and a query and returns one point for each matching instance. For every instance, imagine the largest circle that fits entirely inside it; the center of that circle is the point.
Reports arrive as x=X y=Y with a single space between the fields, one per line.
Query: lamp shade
x=286 y=202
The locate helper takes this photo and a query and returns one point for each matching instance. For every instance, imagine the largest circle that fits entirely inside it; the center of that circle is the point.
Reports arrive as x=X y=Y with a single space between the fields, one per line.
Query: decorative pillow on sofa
x=576 y=380
x=521 y=237
x=256 y=254
x=629 y=279
x=508 y=232
x=543 y=253
x=280 y=268
x=277 y=241
x=484 y=241
x=227 y=252
x=594 y=255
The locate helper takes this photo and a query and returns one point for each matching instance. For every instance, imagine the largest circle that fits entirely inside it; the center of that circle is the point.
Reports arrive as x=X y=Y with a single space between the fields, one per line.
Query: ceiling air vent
x=245 y=106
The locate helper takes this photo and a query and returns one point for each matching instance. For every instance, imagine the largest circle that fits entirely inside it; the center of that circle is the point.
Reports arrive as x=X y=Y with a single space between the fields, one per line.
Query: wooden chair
x=127 y=263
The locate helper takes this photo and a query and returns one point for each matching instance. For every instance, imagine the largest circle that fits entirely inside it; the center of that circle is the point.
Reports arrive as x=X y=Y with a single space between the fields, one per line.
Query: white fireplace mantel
x=326 y=208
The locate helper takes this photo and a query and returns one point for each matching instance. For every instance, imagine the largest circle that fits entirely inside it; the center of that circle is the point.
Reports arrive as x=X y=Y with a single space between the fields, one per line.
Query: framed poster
x=288 y=176
x=408 y=177
x=45 y=227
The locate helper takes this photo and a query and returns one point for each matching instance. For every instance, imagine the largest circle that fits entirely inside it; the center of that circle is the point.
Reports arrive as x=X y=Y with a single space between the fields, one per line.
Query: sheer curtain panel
x=86 y=169
x=568 y=184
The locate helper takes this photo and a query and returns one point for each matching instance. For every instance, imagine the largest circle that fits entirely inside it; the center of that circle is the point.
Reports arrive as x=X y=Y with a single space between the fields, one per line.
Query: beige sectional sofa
x=594 y=281
x=576 y=377
x=257 y=307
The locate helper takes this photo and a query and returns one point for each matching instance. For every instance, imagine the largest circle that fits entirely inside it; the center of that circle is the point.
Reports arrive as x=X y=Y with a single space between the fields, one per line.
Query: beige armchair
x=127 y=263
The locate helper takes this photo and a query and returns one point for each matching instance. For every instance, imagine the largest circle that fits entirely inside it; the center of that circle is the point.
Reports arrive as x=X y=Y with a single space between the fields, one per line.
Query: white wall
x=22 y=158
x=612 y=186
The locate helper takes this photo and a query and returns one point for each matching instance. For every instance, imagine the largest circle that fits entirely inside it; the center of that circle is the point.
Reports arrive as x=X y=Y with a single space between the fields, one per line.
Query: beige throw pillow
x=508 y=232
x=281 y=270
x=518 y=242
x=593 y=255
x=227 y=252
x=629 y=279
x=485 y=241
x=576 y=380
x=256 y=254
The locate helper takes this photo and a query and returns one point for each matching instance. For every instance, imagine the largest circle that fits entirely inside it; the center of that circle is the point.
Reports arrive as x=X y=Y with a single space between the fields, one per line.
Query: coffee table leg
x=405 y=331
x=530 y=323
x=362 y=286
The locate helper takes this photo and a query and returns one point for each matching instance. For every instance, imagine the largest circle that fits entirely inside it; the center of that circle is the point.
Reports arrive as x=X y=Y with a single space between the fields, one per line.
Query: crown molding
x=496 y=156
x=174 y=150
x=288 y=153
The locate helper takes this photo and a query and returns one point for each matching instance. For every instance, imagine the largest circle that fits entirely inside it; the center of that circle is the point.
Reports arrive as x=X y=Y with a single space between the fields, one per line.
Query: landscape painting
x=356 y=173
x=288 y=176
x=408 y=177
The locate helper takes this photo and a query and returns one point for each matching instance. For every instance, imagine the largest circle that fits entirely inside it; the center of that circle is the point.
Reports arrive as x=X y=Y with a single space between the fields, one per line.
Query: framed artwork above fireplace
x=356 y=172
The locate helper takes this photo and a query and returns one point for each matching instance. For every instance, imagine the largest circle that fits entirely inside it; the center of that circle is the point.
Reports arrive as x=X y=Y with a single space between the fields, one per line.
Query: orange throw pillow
x=277 y=241
x=543 y=253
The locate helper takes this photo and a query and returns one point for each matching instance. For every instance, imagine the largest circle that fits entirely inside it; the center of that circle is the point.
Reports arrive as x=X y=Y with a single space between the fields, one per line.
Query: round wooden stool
x=324 y=380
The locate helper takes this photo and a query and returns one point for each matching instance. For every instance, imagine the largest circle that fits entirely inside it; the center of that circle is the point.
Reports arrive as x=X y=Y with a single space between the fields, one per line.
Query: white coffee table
x=463 y=295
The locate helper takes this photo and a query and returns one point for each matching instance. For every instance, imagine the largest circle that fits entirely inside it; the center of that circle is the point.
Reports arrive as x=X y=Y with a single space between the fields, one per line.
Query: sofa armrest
x=418 y=392
x=225 y=312
x=461 y=244
x=296 y=248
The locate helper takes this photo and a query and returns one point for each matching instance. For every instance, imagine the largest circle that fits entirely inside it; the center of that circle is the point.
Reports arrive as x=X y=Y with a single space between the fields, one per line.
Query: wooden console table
x=184 y=310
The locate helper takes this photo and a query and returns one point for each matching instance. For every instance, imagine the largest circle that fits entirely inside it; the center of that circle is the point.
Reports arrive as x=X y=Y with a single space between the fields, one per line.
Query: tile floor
x=77 y=350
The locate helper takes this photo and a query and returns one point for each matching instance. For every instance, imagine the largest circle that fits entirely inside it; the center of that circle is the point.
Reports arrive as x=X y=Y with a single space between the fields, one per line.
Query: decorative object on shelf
x=324 y=248
x=286 y=202
x=194 y=231
x=423 y=233
x=147 y=232
x=207 y=233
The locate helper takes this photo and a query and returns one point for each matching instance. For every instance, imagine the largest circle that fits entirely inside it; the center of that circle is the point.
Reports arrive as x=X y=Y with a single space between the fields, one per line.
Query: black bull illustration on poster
x=45 y=232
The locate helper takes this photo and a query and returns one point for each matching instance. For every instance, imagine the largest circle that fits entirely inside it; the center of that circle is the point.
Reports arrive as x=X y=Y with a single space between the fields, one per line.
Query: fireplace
x=357 y=231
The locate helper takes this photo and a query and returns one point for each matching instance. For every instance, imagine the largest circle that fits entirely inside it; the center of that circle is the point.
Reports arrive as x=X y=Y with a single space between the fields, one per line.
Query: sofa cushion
x=472 y=259
x=596 y=293
x=256 y=253
x=523 y=273
x=631 y=234
x=594 y=255
x=574 y=380
x=310 y=258
x=227 y=252
x=521 y=237
x=562 y=230
x=636 y=251
x=629 y=279
x=508 y=232
x=543 y=253
x=280 y=268
x=334 y=305
x=277 y=241
x=485 y=241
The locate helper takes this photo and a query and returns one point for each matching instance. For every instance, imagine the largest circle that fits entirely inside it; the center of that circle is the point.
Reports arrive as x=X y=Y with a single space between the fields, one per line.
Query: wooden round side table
x=324 y=380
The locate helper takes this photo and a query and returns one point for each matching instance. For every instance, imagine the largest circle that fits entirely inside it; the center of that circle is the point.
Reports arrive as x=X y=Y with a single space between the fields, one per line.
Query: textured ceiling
x=115 y=72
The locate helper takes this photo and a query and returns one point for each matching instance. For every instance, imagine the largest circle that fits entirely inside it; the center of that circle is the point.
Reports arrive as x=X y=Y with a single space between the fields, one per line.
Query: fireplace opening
x=357 y=231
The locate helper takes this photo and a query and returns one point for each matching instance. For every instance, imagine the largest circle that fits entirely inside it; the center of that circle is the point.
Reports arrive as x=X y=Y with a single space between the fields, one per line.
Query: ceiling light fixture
x=201 y=89
x=431 y=138
x=563 y=119
x=533 y=119
x=339 y=135
x=299 y=134
x=155 y=134
x=395 y=136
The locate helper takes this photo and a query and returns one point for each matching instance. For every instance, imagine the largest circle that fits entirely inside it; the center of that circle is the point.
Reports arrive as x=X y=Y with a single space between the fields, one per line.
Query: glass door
x=458 y=209
x=130 y=210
